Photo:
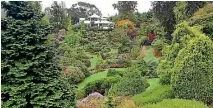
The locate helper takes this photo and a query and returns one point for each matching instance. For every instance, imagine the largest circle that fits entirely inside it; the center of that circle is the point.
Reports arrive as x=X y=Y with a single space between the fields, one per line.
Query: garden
x=162 y=58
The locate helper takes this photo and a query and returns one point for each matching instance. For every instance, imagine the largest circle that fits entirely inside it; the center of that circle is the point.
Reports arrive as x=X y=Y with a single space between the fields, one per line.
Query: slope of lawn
x=154 y=93
x=153 y=83
x=91 y=78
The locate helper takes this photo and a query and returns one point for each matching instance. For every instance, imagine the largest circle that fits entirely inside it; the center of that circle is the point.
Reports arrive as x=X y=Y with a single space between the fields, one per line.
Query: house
x=96 y=21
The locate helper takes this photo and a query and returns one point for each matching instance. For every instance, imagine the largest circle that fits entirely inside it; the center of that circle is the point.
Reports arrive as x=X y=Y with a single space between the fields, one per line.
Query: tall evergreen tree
x=30 y=76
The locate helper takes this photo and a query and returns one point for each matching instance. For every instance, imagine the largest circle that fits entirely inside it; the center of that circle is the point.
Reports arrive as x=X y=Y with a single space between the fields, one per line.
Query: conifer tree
x=31 y=77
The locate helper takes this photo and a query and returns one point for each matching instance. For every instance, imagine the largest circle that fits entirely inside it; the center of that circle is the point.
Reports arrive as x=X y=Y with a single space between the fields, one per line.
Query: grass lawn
x=153 y=83
x=154 y=93
x=91 y=78
x=93 y=60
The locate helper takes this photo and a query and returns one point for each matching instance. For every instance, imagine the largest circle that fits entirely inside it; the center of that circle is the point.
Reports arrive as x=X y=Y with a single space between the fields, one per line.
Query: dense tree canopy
x=163 y=11
x=126 y=9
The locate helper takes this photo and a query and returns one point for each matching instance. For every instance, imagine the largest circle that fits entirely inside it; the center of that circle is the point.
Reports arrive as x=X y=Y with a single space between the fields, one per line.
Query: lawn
x=154 y=93
x=93 y=60
x=153 y=83
x=91 y=78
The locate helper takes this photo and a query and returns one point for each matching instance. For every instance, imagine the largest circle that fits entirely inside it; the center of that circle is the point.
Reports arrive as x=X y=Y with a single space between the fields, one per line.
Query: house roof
x=94 y=16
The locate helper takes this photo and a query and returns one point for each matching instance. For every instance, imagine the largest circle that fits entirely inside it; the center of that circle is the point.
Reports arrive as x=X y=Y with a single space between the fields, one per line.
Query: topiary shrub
x=154 y=95
x=130 y=84
x=177 y=103
x=192 y=76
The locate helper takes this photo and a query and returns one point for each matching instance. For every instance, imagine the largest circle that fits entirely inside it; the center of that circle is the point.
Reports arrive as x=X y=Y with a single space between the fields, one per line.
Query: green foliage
x=30 y=73
x=130 y=84
x=158 y=44
x=101 y=86
x=145 y=16
x=204 y=17
x=80 y=94
x=126 y=10
x=180 y=11
x=193 y=6
x=143 y=40
x=74 y=75
x=58 y=16
x=163 y=11
x=91 y=78
x=114 y=72
x=181 y=37
x=192 y=76
x=126 y=45
x=143 y=68
x=177 y=103
x=154 y=95
x=110 y=102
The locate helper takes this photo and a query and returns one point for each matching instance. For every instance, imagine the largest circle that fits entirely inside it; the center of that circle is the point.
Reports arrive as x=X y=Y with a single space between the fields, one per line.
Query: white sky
x=105 y=6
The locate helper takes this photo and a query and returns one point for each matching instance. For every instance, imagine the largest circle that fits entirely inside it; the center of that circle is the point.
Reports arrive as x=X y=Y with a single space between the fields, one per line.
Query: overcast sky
x=105 y=6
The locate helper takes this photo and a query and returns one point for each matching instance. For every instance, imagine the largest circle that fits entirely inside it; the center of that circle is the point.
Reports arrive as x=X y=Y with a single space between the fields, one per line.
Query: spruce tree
x=31 y=77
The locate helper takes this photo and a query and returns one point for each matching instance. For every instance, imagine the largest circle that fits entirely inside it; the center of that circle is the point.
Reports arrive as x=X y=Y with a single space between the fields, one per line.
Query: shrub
x=158 y=44
x=74 y=74
x=192 y=76
x=145 y=69
x=110 y=102
x=143 y=40
x=177 y=103
x=130 y=84
x=125 y=24
x=102 y=86
x=154 y=95
x=181 y=37
x=204 y=17
x=80 y=94
x=126 y=102
x=94 y=100
x=126 y=45
x=113 y=72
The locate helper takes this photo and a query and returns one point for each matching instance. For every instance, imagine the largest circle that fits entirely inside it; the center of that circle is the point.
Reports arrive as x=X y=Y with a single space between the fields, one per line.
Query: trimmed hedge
x=177 y=103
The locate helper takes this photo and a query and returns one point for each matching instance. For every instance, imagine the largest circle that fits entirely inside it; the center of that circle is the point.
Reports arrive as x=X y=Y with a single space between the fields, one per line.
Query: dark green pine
x=30 y=73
